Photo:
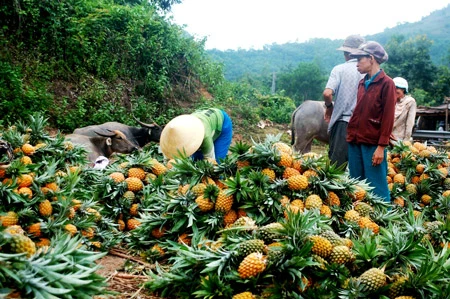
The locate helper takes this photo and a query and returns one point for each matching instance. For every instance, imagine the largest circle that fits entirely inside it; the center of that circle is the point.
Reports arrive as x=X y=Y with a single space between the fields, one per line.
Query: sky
x=251 y=24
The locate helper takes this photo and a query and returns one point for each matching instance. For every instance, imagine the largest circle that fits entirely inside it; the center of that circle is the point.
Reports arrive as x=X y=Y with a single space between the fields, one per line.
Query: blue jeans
x=360 y=167
x=222 y=143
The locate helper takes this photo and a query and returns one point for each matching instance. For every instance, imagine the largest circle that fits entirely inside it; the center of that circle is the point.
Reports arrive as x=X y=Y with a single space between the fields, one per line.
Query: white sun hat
x=183 y=134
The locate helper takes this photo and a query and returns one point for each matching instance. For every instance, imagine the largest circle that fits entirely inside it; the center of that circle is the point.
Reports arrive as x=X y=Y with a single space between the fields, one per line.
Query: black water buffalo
x=103 y=144
x=140 y=136
x=308 y=123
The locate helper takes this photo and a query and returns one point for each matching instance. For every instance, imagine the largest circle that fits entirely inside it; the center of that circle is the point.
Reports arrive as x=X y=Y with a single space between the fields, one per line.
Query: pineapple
x=399 y=178
x=352 y=215
x=359 y=193
x=134 y=209
x=20 y=243
x=297 y=182
x=35 y=229
x=326 y=211
x=71 y=229
x=28 y=149
x=45 y=208
x=283 y=147
x=132 y=223
x=129 y=195
x=331 y=236
x=270 y=173
x=26 y=160
x=204 y=204
x=321 y=246
x=43 y=242
x=397 y=286
x=158 y=233
x=136 y=172
x=224 y=202
x=313 y=201
x=198 y=189
x=121 y=224
x=366 y=222
x=134 y=184
x=285 y=160
x=25 y=180
x=270 y=232
x=333 y=199
x=250 y=246
x=252 y=265
x=289 y=171
x=158 y=168
x=230 y=217
x=244 y=295
x=364 y=209
x=340 y=254
x=117 y=177
x=25 y=191
x=184 y=239
x=372 y=279
x=425 y=199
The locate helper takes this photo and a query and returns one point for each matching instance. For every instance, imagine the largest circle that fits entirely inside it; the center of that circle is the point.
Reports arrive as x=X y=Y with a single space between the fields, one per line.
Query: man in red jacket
x=372 y=120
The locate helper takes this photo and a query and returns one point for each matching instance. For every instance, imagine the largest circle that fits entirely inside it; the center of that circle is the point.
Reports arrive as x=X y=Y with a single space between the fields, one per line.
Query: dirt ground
x=122 y=282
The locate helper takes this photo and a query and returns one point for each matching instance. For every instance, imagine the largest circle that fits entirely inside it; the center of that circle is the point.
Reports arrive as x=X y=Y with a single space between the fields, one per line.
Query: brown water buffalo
x=308 y=123
x=104 y=144
x=140 y=136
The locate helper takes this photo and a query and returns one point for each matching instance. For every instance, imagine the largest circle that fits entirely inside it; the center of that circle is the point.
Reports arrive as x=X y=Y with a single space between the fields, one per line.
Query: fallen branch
x=129 y=257
x=129 y=276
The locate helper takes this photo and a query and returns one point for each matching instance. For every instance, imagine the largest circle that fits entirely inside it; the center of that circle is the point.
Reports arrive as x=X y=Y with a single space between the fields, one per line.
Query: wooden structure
x=432 y=123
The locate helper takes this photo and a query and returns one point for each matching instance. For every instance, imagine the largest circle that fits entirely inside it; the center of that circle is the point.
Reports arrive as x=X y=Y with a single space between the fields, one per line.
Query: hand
x=328 y=112
x=378 y=156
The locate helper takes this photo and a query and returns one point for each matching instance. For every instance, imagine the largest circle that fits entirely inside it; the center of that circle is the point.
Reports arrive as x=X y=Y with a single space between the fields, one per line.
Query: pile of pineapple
x=49 y=216
x=265 y=222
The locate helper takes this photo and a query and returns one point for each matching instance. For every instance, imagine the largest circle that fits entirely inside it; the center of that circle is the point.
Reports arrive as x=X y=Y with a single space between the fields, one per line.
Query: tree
x=411 y=60
x=306 y=82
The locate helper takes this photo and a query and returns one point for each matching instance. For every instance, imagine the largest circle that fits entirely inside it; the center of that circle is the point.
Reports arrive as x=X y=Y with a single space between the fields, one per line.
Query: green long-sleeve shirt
x=212 y=119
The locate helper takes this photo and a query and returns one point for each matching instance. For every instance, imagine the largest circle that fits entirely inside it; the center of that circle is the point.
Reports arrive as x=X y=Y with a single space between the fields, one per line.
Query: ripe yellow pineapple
x=420 y=168
x=290 y=171
x=136 y=172
x=352 y=215
x=35 y=229
x=25 y=180
x=298 y=203
x=28 y=149
x=52 y=186
x=252 y=265
x=269 y=172
x=129 y=195
x=313 y=201
x=399 y=178
x=134 y=184
x=198 y=189
x=158 y=168
x=326 y=211
x=283 y=147
x=204 y=204
x=121 y=224
x=399 y=201
x=372 y=279
x=26 y=160
x=134 y=209
x=333 y=199
x=71 y=229
x=117 y=177
x=230 y=217
x=45 y=208
x=425 y=199
x=297 y=182
x=359 y=193
x=363 y=208
x=26 y=191
x=411 y=188
x=88 y=232
x=224 y=202
x=43 y=242
x=285 y=160
x=310 y=173
x=244 y=295
x=366 y=222
x=11 y=218
x=132 y=223
x=321 y=246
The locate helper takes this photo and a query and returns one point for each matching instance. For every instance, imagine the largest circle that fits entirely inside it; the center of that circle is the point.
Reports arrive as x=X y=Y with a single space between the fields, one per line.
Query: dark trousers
x=338 y=151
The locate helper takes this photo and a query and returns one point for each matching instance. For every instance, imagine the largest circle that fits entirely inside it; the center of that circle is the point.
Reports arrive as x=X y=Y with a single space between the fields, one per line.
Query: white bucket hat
x=182 y=134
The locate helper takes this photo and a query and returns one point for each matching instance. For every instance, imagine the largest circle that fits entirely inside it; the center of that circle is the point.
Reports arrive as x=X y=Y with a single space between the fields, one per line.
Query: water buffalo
x=104 y=144
x=308 y=123
x=140 y=136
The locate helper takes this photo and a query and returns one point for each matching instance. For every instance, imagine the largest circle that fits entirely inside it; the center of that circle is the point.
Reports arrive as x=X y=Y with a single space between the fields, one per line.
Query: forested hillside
x=276 y=57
